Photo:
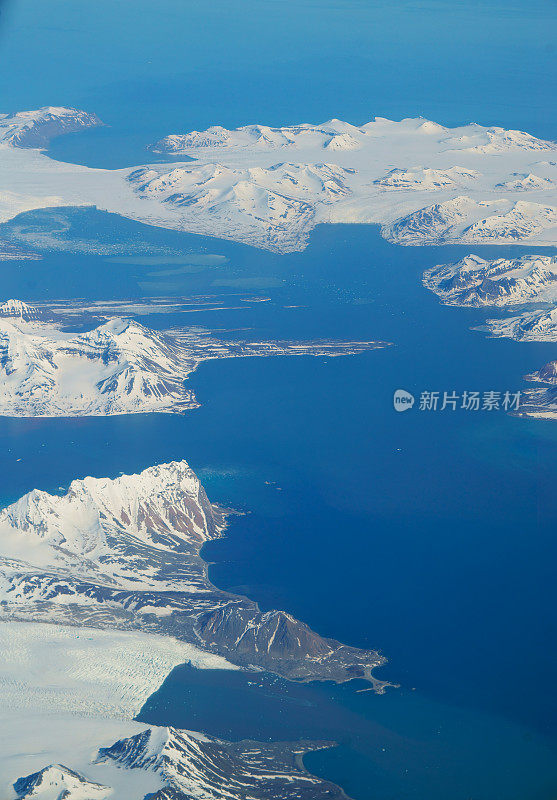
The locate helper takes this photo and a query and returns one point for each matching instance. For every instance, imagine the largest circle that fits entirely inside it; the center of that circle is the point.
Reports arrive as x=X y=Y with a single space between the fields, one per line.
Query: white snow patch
x=87 y=672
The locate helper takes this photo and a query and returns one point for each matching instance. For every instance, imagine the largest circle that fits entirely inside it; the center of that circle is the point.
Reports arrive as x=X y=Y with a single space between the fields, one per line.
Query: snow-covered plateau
x=119 y=367
x=268 y=187
x=67 y=699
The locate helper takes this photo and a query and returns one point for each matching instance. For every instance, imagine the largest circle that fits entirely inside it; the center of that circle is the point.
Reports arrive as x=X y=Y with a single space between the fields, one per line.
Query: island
x=423 y=183
x=117 y=367
x=528 y=285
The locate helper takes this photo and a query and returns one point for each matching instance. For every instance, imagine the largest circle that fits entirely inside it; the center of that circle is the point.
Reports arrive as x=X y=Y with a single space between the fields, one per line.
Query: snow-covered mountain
x=120 y=367
x=209 y=186
x=466 y=220
x=37 y=128
x=18 y=310
x=281 y=196
x=541 y=402
x=136 y=532
x=477 y=282
x=57 y=782
x=522 y=221
x=477 y=139
x=332 y=135
x=188 y=765
x=532 y=326
x=239 y=203
x=547 y=374
x=487 y=215
x=423 y=179
x=471 y=138
x=523 y=182
x=124 y=554
x=269 y=187
x=195 y=765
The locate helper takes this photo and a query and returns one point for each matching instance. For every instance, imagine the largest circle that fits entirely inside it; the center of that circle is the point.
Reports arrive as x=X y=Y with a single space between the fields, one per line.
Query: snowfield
x=67 y=698
x=87 y=672
x=119 y=367
x=268 y=187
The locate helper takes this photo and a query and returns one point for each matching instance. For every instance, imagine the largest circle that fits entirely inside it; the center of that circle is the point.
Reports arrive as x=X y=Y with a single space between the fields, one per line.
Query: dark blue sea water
x=427 y=535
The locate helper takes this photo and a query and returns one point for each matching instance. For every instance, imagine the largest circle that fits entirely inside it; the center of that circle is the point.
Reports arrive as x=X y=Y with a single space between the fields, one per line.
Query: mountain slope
x=195 y=765
x=477 y=282
x=37 y=128
x=467 y=220
x=532 y=326
x=270 y=186
x=58 y=782
x=125 y=554
x=120 y=367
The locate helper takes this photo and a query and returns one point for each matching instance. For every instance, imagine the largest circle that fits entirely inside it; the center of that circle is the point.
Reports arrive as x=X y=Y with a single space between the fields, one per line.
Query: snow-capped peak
x=36 y=128
x=163 y=507
x=476 y=282
x=57 y=782
x=16 y=308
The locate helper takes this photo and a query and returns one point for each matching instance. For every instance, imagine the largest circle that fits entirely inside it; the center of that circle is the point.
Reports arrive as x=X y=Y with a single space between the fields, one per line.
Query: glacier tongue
x=67 y=695
x=124 y=553
x=270 y=186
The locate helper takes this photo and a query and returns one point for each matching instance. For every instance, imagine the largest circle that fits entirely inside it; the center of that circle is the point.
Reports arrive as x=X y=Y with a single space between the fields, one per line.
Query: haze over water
x=429 y=536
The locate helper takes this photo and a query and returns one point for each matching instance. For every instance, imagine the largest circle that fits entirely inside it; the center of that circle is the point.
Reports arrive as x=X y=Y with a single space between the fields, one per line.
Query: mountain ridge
x=124 y=554
x=269 y=186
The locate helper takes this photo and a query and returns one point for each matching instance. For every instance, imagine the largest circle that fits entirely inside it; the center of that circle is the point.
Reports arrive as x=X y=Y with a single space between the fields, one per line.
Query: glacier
x=423 y=183
x=68 y=695
x=124 y=554
x=102 y=592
